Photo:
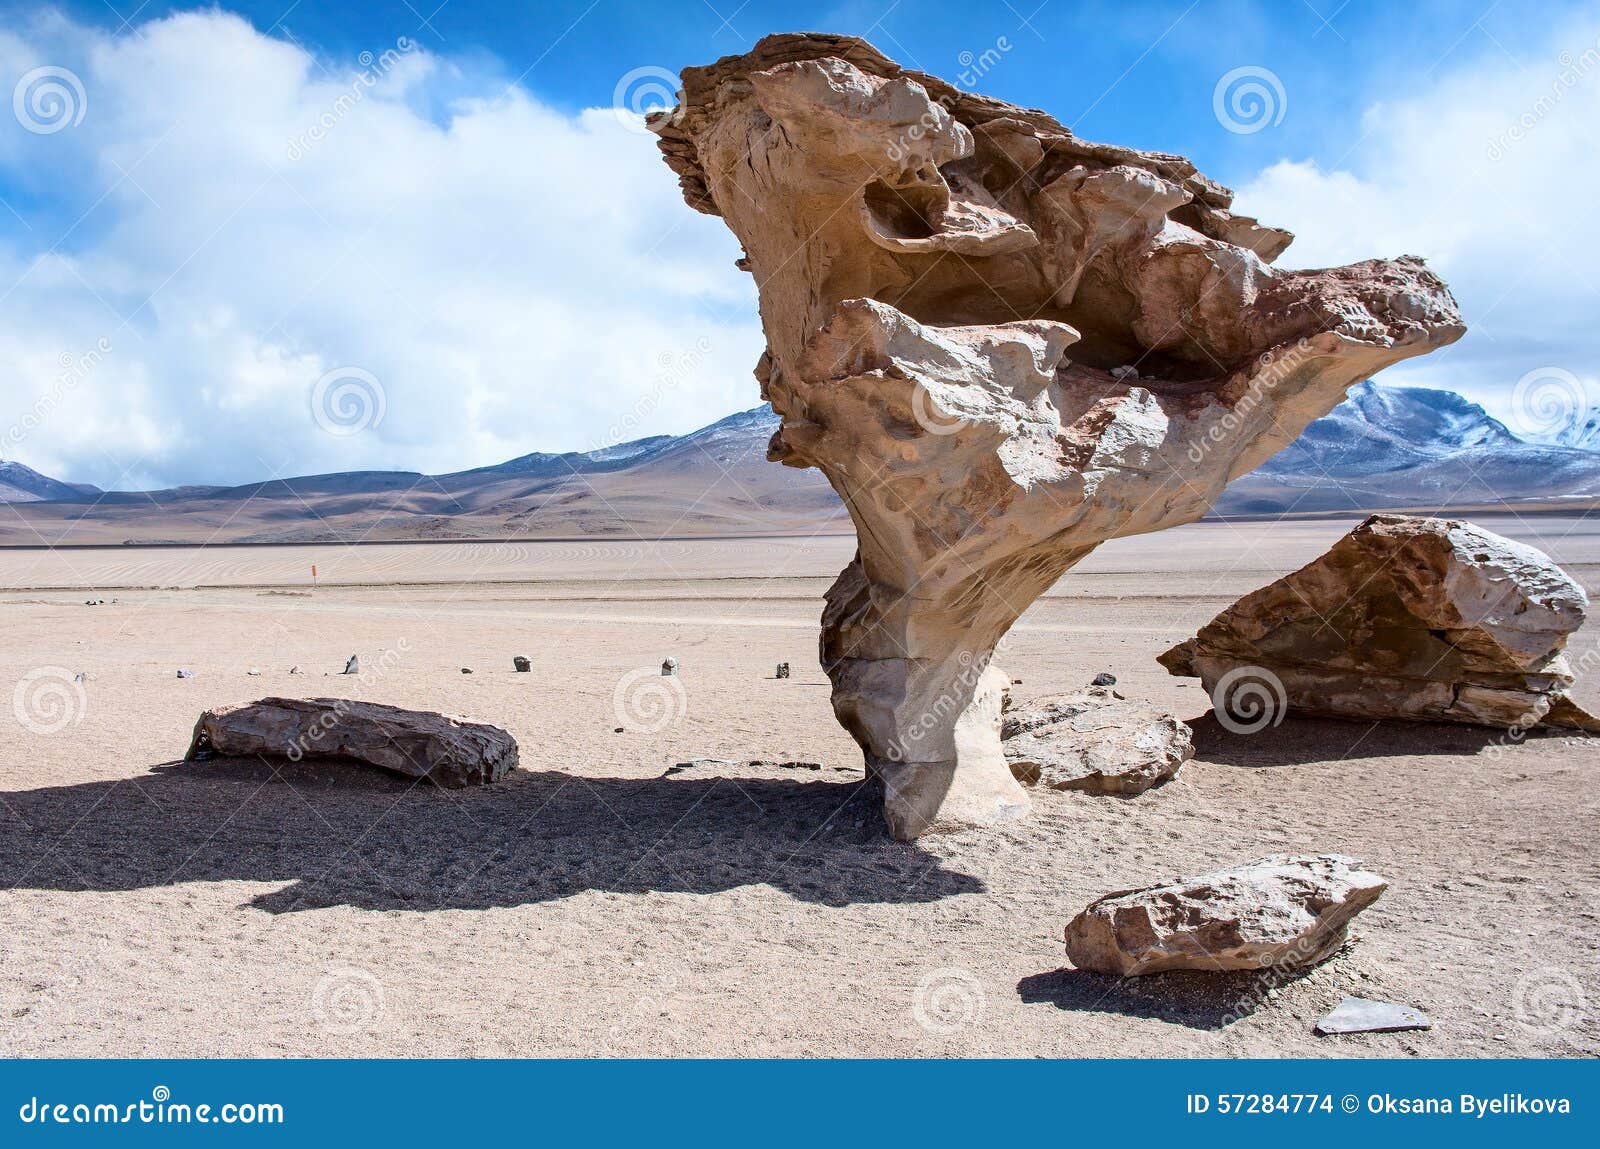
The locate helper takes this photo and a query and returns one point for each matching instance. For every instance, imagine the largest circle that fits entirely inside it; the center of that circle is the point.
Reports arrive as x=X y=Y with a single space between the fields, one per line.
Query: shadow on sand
x=1199 y=1000
x=1300 y=740
x=344 y=835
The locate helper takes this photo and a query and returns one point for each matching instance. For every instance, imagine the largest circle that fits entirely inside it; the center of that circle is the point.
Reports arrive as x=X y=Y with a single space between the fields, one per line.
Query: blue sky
x=481 y=239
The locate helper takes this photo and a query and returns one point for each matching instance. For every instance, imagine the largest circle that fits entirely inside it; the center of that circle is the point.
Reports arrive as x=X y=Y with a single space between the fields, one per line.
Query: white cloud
x=237 y=218
x=1490 y=173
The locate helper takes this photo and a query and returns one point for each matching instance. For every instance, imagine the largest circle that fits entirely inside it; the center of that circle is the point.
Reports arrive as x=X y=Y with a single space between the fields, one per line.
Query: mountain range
x=1383 y=448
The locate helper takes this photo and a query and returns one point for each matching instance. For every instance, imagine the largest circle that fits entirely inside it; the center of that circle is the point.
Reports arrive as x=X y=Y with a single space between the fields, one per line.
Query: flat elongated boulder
x=1284 y=911
x=1003 y=345
x=1094 y=741
x=1404 y=617
x=447 y=751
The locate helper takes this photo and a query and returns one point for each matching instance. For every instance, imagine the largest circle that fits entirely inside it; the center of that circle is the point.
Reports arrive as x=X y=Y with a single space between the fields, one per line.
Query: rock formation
x=1432 y=619
x=417 y=744
x=1003 y=345
x=1097 y=742
x=1285 y=911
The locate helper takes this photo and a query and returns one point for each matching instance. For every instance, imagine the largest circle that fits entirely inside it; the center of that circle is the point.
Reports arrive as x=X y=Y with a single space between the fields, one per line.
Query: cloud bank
x=1489 y=172
x=222 y=258
x=217 y=221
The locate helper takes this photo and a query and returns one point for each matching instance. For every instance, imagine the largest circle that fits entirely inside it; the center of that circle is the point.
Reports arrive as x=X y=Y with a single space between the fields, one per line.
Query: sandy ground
x=597 y=902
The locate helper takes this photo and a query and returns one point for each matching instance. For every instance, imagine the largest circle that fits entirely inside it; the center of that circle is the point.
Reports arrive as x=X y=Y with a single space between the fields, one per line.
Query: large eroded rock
x=1284 y=912
x=1095 y=741
x=417 y=744
x=1003 y=345
x=1404 y=617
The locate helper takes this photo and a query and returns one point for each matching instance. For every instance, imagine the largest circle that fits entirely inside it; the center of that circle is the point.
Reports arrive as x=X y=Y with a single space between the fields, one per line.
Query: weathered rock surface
x=417 y=744
x=1416 y=618
x=1362 y=1015
x=1096 y=741
x=1283 y=911
x=1003 y=345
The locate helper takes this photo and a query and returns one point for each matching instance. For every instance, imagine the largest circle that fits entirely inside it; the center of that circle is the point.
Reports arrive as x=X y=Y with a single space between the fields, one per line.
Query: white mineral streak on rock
x=1433 y=619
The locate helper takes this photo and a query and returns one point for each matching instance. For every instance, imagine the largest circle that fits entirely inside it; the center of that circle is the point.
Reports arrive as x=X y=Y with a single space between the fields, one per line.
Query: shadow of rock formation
x=1210 y=1001
x=1301 y=740
x=342 y=835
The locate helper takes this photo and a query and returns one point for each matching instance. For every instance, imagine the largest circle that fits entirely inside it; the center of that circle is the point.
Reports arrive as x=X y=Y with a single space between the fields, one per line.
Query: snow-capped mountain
x=1403 y=447
x=1582 y=432
x=20 y=484
x=1383 y=448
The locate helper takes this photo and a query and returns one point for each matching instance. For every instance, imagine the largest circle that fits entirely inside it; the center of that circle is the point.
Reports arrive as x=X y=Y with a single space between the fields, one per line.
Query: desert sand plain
x=599 y=901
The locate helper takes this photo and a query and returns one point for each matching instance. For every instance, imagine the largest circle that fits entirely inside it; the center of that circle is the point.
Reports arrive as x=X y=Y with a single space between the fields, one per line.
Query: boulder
x=447 y=751
x=521 y=665
x=1284 y=912
x=1096 y=741
x=1404 y=617
x=1003 y=344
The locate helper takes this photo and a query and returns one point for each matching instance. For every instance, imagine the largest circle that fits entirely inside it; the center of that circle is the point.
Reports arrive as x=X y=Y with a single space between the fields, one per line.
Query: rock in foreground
x=1097 y=742
x=1283 y=912
x=413 y=743
x=1433 y=619
x=1361 y=1015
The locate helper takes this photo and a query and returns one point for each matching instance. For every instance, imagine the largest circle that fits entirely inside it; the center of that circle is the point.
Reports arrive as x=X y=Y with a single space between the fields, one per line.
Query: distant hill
x=19 y=484
x=1383 y=448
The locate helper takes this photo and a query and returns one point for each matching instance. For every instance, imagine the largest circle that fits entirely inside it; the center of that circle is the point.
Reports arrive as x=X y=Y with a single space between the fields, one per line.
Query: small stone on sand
x=1362 y=1015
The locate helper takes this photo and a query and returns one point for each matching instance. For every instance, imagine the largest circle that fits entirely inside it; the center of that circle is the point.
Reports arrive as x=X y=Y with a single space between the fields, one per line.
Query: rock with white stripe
x=1404 y=617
